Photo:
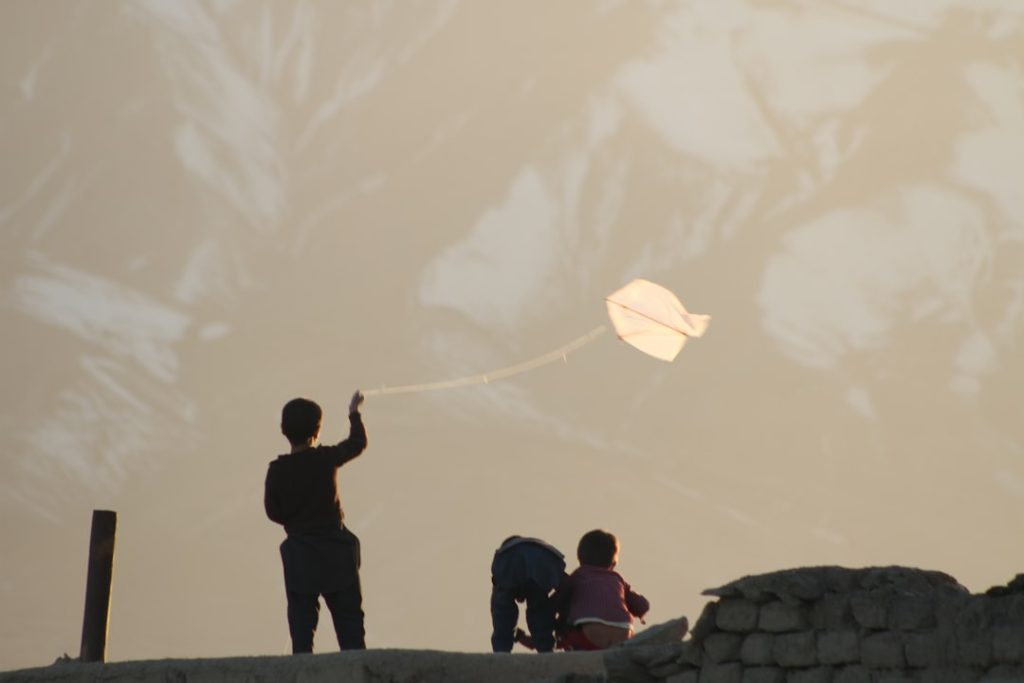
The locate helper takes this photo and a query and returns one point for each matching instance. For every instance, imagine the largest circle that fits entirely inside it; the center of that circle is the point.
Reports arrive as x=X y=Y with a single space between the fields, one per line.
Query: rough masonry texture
x=838 y=625
x=810 y=625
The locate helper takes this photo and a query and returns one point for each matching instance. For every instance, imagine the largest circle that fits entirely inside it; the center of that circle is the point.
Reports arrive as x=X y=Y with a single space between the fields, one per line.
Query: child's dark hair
x=598 y=548
x=300 y=420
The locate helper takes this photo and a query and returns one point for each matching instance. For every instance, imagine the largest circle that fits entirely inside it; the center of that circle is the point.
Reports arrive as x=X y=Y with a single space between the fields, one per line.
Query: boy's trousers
x=540 y=616
x=323 y=563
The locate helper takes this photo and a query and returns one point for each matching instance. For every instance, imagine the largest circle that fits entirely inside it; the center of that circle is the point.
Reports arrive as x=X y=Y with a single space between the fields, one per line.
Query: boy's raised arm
x=356 y=442
x=357 y=400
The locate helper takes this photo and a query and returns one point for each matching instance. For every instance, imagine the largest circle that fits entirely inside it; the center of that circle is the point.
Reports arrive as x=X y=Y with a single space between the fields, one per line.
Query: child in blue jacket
x=525 y=570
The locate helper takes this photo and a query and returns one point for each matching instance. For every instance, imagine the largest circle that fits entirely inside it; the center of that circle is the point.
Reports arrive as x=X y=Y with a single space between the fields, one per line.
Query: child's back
x=600 y=604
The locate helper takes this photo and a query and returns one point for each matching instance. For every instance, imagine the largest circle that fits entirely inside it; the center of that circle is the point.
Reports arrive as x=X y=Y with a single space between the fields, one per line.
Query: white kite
x=652 y=319
x=645 y=315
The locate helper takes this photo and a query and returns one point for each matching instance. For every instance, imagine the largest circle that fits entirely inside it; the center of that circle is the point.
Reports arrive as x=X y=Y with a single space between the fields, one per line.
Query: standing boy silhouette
x=320 y=555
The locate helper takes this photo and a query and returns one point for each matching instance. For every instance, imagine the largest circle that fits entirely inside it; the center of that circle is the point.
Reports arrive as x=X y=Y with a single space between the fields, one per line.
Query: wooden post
x=97 y=586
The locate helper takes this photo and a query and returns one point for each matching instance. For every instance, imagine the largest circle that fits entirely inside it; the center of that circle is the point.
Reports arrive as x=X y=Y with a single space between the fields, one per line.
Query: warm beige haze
x=209 y=208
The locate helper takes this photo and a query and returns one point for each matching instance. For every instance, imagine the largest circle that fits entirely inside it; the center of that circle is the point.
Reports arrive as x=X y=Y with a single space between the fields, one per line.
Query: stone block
x=869 y=610
x=655 y=661
x=705 y=622
x=781 y=617
x=808 y=586
x=639 y=664
x=757 y=649
x=672 y=631
x=832 y=612
x=691 y=654
x=852 y=674
x=1015 y=608
x=723 y=647
x=973 y=633
x=818 y=674
x=764 y=674
x=654 y=655
x=795 y=649
x=1003 y=674
x=688 y=676
x=731 y=672
x=623 y=665
x=897 y=677
x=974 y=648
x=736 y=615
x=666 y=670
x=838 y=647
x=882 y=650
x=1008 y=644
x=949 y=608
x=925 y=649
x=950 y=675
x=911 y=613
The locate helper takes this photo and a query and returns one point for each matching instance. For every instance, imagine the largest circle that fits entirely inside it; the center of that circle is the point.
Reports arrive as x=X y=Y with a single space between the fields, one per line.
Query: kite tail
x=486 y=378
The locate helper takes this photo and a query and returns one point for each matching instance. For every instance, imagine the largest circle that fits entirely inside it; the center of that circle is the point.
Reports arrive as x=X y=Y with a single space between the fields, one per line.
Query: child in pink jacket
x=597 y=604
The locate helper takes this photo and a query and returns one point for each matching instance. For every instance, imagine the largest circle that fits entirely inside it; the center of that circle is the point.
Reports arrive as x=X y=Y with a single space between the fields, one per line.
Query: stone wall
x=813 y=625
x=836 y=625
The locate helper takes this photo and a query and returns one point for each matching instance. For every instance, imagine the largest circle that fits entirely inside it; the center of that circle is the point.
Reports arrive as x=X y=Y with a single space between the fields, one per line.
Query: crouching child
x=597 y=603
x=525 y=570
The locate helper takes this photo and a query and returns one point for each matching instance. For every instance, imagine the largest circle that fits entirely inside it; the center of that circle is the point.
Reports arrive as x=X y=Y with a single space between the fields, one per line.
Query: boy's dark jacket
x=301 y=489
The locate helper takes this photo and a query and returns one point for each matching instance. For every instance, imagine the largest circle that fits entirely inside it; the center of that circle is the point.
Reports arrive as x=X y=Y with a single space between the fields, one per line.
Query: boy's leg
x=504 y=617
x=347 y=612
x=540 y=618
x=303 y=613
x=346 y=604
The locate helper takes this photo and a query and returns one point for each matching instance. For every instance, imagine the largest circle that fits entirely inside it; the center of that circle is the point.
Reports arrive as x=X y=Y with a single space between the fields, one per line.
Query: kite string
x=485 y=378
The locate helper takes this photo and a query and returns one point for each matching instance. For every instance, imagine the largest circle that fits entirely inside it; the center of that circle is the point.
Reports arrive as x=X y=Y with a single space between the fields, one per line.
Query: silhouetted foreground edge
x=395 y=666
x=807 y=625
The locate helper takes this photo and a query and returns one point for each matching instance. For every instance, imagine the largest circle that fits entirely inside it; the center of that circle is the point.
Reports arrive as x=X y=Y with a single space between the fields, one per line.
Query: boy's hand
x=357 y=400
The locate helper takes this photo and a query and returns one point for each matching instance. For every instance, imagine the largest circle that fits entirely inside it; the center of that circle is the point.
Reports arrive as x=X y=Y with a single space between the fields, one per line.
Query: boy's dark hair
x=300 y=420
x=597 y=548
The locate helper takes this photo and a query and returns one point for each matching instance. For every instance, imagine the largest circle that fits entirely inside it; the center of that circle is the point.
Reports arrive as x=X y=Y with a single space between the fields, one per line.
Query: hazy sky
x=209 y=208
